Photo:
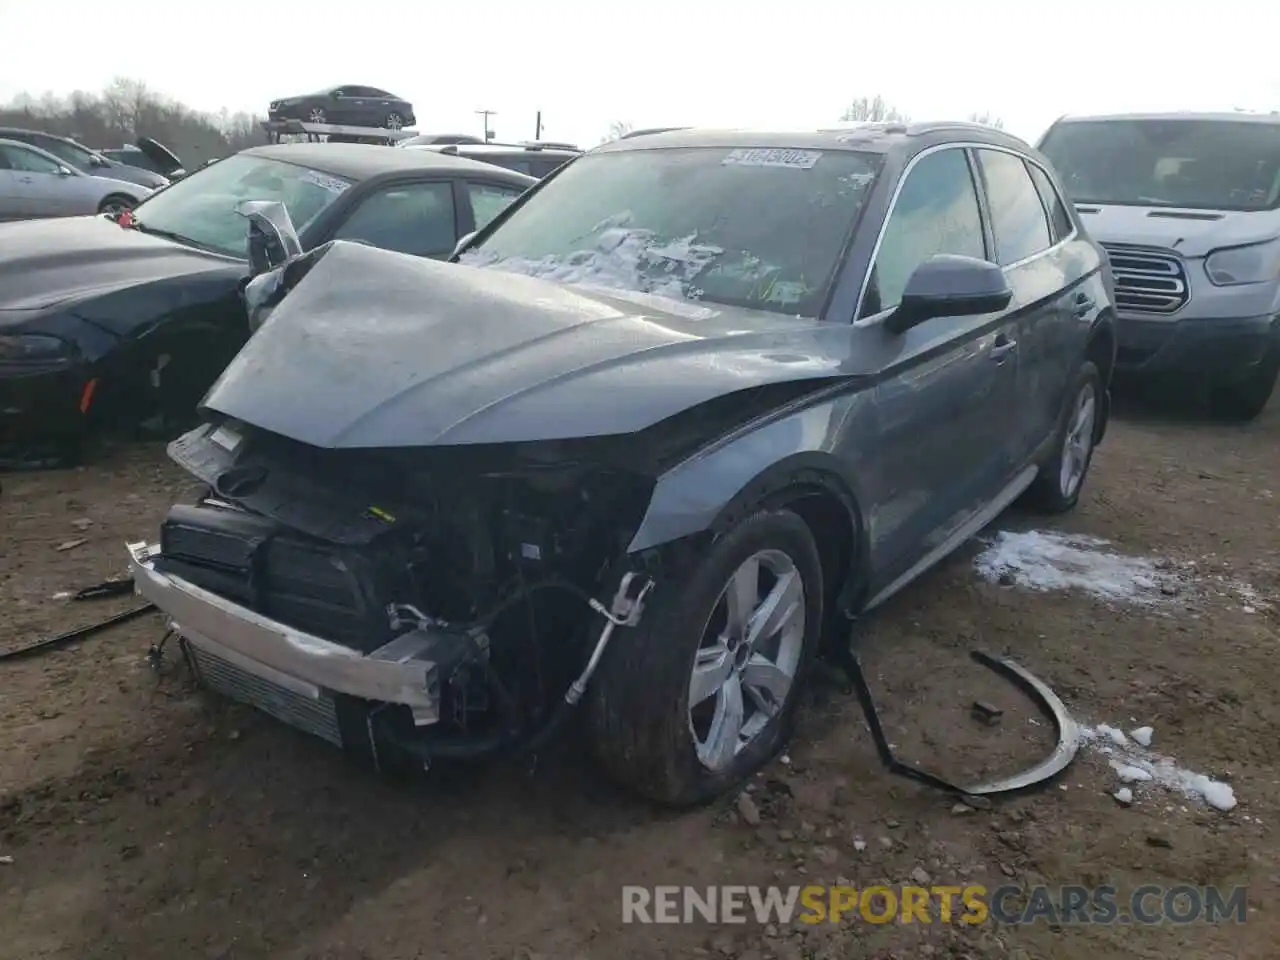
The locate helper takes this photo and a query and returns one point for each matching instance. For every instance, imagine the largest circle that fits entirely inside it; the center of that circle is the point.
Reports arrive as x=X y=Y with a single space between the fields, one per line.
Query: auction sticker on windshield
x=332 y=184
x=762 y=157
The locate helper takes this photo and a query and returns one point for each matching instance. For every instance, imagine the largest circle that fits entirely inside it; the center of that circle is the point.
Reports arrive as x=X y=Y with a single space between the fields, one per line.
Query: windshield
x=756 y=228
x=1200 y=164
x=201 y=208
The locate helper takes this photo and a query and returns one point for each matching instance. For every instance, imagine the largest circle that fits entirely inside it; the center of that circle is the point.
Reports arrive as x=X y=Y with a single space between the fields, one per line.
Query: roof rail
x=453 y=147
x=552 y=145
x=649 y=130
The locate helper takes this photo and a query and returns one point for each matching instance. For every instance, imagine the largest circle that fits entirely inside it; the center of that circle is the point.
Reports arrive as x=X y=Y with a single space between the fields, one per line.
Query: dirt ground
x=141 y=819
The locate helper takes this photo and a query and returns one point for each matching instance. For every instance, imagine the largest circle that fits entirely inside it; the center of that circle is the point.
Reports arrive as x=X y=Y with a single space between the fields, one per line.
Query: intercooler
x=296 y=703
x=323 y=589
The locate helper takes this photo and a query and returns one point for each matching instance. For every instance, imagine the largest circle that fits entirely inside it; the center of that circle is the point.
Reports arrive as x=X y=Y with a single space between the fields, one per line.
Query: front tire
x=317 y=115
x=704 y=691
x=1057 y=487
x=393 y=121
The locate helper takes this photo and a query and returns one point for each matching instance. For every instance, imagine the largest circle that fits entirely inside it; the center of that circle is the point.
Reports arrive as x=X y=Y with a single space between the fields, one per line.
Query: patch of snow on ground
x=1135 y=765
x=1059 y=561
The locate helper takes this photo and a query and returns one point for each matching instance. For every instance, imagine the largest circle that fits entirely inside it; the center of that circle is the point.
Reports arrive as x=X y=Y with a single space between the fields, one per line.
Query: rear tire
x=1057 y=487
x=1244 y=400
x=641 y=727
x=393 y=121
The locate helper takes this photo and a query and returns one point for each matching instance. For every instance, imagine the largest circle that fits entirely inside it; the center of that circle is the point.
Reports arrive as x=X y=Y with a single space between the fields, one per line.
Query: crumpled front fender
x=756 y=462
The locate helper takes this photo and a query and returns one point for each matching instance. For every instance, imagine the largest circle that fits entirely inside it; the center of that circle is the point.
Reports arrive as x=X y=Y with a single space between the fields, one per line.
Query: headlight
x=1256 y=263
x=33 y=347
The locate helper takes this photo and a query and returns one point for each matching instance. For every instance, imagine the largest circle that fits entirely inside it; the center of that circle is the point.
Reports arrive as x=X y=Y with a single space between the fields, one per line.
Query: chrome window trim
x=976 y=167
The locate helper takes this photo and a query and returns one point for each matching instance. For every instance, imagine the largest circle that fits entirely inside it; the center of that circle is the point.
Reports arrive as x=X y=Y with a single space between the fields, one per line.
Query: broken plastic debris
x=1142 y=736
x=1124 y=795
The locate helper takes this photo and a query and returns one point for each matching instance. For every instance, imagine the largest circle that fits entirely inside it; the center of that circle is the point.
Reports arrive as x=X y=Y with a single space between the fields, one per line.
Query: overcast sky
x=787 y=64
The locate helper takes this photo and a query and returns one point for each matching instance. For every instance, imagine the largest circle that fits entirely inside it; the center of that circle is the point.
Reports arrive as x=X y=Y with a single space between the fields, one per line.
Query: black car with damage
x=110 y=324
x=669 y=422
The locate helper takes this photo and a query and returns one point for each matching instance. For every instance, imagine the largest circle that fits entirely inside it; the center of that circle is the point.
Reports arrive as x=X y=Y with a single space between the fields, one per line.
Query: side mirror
x=272 y=239
x=335 y=94
x=64 y=171
x=465 y=239
x=947 y=285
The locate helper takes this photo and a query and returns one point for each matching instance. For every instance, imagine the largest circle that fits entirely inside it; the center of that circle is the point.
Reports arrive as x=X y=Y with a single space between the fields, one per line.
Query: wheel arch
x=1101 y=349
x=812 y=484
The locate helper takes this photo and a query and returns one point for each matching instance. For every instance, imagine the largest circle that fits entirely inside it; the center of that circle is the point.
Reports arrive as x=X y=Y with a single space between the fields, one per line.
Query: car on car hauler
x=1188 y=207
x=672 y=417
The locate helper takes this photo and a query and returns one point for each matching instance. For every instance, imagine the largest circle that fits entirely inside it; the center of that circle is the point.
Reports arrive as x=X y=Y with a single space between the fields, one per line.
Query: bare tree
x=617 y=130
x=126 y=110
x=987 y=119
x=875 y=109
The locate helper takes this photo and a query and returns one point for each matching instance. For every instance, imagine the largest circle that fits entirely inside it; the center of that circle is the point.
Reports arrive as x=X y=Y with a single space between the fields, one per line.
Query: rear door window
x=1017 y=214
x=415 y=218
x=1059 y=219
x=488 y=200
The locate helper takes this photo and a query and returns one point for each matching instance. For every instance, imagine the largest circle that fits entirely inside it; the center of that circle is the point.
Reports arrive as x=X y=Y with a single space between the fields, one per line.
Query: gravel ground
x=142 y=819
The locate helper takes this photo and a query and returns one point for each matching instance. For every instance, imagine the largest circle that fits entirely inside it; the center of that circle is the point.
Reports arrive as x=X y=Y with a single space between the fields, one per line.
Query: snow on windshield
x=701 y=224
x=619 y=257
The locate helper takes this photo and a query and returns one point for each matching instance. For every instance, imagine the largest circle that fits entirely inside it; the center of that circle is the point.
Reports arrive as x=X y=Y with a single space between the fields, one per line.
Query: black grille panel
x=1148 y=281
x=312 y=586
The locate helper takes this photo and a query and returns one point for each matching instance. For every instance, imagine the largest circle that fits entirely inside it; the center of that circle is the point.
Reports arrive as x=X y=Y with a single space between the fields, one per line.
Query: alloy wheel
x=747 y=661
x=1078 y=442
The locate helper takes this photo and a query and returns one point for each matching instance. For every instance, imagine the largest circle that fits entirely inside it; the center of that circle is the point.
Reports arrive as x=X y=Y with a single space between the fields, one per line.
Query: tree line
x=127 y=109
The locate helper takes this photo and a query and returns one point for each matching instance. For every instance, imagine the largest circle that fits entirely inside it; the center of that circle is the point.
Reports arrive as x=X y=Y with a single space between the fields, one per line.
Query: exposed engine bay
x=485 y=562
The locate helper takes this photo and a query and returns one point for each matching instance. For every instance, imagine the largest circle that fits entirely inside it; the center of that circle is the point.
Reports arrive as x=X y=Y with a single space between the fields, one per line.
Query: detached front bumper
x=282 y=670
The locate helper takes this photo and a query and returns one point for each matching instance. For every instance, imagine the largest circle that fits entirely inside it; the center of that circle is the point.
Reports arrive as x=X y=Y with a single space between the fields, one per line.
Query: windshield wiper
x=171 y=235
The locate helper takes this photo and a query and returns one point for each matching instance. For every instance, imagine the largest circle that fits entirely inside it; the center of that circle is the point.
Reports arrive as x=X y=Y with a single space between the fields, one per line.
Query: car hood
x=164 y=158
x=1192 y=233
x=377 y=349
x=45 y=263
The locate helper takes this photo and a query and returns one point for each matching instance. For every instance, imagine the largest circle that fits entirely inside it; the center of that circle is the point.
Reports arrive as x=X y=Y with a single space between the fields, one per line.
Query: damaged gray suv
x=668 y=423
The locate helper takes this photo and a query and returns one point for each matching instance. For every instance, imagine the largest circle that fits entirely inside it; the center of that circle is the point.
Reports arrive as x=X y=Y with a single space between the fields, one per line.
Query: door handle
x=1003 y=347
x=1084 y=304
x=25 y=180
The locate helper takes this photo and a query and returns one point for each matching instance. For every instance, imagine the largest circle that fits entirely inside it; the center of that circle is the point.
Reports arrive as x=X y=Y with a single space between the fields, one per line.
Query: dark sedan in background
x=350 y=105
x=85 y=160
x=107 y=323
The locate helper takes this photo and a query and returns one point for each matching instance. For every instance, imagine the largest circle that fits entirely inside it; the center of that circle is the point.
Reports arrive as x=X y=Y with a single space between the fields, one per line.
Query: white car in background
x=35 y=183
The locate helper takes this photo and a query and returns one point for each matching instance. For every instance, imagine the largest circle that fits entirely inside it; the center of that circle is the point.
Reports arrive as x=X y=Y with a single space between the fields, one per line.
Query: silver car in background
x=35 y=183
